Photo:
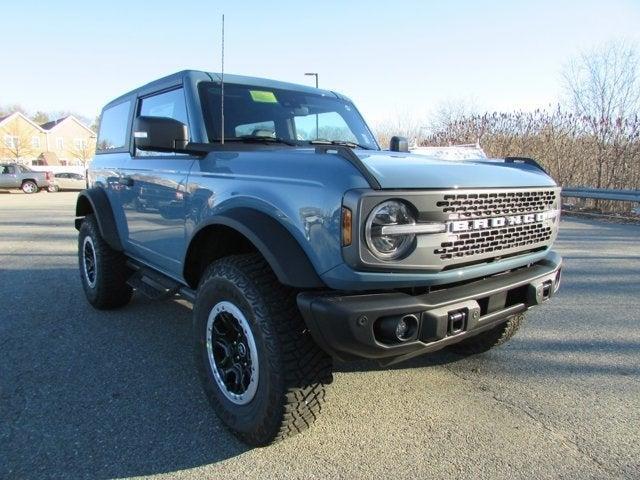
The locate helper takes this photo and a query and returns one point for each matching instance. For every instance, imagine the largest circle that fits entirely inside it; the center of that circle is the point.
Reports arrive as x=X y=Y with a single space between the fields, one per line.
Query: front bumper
x=347 y=325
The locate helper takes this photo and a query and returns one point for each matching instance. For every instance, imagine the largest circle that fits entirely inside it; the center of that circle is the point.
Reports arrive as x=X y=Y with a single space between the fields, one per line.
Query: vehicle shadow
x=89 y=394
x=438 y=358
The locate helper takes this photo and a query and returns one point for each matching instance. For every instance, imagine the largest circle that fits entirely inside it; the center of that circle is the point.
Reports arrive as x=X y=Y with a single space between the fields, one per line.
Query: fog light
x=396 y=329
x=401 y=328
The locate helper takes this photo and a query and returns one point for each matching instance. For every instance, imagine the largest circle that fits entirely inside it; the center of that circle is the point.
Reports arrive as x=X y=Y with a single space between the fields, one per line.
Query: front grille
x=496 y=241
x=486 y=204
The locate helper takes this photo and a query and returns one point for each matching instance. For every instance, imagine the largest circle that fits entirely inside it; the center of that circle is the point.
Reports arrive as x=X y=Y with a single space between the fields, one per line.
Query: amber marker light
x=347 y=227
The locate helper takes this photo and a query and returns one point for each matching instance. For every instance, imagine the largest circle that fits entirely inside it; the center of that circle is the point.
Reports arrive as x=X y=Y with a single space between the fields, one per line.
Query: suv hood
x=407 y=170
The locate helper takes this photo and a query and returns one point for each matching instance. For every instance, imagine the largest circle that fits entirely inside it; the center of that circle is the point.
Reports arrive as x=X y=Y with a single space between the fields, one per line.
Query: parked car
x=68 y=181
x=306 y=245
x=17 y=176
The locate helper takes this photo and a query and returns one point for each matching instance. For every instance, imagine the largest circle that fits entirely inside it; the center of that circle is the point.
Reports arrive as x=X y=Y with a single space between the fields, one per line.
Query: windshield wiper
x=343 y=143
x=257 y=139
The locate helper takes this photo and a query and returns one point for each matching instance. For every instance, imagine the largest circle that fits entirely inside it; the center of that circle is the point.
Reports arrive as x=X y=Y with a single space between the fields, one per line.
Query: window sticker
x=263 y=96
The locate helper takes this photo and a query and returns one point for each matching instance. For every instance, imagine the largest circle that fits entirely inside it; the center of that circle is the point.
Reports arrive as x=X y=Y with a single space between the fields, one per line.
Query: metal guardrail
x=602 y=194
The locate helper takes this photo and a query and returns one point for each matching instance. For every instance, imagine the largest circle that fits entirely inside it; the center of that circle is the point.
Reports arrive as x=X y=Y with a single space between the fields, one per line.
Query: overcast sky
x=390 y=57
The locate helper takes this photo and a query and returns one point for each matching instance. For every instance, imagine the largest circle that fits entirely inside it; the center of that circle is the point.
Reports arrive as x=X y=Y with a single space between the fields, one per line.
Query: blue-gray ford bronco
x=271 y=207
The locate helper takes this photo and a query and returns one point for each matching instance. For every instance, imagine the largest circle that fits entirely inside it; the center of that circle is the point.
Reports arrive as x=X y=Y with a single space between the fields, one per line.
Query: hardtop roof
x=195 y=75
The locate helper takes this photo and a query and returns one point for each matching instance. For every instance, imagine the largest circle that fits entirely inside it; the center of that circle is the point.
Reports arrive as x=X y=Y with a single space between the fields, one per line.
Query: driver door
x=155 y=207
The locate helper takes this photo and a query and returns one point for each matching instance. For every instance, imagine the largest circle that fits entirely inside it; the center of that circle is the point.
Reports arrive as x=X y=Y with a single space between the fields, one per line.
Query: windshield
x=287 y=115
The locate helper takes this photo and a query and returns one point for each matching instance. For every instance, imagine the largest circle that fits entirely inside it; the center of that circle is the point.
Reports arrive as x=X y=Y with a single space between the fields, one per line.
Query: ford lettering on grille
x=496 y=222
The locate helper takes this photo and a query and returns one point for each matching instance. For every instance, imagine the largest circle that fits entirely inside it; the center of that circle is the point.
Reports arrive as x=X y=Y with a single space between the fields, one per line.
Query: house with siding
x=21 y=139
x=65 y=141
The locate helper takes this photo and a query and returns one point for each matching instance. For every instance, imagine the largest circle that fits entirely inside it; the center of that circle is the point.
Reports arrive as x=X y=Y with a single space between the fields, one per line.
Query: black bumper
x=348 y=326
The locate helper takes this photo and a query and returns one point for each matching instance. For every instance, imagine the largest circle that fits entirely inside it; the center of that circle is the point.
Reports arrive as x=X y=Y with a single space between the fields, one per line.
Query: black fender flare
x=275 y=243
x=95 y=201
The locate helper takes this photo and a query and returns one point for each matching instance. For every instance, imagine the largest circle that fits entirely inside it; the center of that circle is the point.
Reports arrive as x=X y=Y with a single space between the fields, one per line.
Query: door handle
x=126 y=181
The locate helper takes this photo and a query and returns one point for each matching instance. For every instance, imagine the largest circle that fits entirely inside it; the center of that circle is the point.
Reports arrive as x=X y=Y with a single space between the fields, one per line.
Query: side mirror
x=160 y=134
x=399 y=144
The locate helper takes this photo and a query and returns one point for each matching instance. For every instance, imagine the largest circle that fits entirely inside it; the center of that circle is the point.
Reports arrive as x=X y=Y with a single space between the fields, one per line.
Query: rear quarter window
x=114 y=128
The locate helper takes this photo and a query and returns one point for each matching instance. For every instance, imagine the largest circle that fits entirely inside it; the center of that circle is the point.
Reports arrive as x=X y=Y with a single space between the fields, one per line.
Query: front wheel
x=260 y=369
x=29 y=186
x=491 y=338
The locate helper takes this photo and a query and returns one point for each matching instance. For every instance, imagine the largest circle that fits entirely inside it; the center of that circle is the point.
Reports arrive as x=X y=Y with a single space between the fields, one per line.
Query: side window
x=169 y=104
x=113 y=128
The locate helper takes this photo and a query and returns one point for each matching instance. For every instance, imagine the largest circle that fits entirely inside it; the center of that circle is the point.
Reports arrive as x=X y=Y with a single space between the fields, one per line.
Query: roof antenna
x=222 y=89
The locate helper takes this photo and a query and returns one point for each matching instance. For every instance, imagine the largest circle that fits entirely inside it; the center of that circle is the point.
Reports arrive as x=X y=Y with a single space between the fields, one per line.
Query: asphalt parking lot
x=87 y=394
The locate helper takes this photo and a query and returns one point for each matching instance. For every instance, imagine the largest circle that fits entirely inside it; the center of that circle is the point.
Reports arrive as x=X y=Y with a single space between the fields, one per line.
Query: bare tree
x=402 y=124
x=83 y=150
x=16 y=142
x=40 y=117
x=604 y=83
x=603 y=87
x=95 y=125
x=449 y=111
x=9 y=109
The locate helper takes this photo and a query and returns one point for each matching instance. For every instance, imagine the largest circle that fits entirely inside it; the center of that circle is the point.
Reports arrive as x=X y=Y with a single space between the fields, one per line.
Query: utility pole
x=313 y=74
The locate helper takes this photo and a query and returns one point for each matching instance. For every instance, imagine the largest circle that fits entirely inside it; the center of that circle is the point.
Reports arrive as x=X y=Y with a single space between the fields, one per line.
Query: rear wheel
x=29 y=186
x=260 y=369
x=103 y=270
x=491 y=338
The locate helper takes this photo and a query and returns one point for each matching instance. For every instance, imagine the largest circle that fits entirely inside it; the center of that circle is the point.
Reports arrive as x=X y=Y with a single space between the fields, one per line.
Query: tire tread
x=306 y=369
x=112 y=290
x=492 y=338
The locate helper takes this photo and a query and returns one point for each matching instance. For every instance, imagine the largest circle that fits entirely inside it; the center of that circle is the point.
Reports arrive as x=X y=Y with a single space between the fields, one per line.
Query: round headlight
x=389 y=246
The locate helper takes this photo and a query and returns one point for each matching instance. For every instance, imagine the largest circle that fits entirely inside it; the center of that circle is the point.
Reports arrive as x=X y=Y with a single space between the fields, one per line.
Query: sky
x=392 y=58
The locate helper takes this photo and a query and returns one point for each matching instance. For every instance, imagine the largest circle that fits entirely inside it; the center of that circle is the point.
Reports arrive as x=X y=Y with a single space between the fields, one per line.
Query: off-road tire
x=491 y=338
x=293 y=370
x=109 y=289
x=29 y=187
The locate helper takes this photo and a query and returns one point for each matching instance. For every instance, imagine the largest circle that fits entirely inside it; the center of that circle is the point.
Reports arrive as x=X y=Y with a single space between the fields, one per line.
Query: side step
x=153 y=284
